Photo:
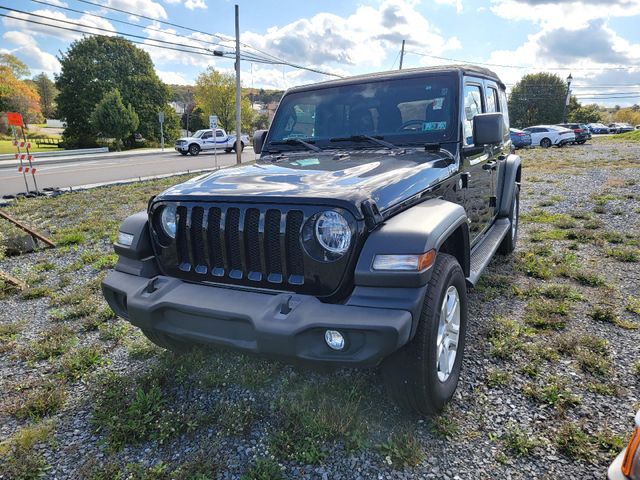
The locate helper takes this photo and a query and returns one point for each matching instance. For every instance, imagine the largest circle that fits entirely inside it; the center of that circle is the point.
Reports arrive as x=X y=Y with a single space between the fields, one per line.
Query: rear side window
x=492 y=100
x=472 y=107
x=504 y=109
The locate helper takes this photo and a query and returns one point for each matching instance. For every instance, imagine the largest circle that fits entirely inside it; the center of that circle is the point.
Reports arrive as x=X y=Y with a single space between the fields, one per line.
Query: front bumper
x=181 y=148
x=282 y=324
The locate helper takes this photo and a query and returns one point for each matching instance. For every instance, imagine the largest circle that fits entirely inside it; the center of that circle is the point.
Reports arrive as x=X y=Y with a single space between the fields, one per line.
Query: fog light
x=334 y=339
x=125 y=239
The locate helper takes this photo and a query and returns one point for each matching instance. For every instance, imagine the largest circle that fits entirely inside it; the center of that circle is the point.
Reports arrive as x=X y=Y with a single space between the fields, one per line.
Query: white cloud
x=175 y=78
x=193 y=4
x=53 y=18
x=164 y=56
x=28 y=51
x=361 y=39
x=148 y=8
x=57 y=3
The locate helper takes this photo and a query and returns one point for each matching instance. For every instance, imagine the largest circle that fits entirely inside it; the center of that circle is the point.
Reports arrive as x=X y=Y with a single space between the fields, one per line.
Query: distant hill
x=184 y=94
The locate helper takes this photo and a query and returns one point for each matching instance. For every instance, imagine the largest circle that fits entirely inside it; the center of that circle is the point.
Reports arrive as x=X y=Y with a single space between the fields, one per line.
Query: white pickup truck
x=205 y=140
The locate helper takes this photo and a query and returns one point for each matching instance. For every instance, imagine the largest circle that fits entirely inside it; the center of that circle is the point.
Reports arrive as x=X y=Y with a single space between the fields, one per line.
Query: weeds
x=401 y=450
x=519 y=441
x=554 y=393
x=43 y=400
x=76 y=363
x=263 y=469
x=574 y=441
x=504 y=338
x=51 y=343
x=19 y=458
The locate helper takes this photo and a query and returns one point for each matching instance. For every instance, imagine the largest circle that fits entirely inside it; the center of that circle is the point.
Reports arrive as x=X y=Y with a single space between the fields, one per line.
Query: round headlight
x=333 y=232
x=168 y=220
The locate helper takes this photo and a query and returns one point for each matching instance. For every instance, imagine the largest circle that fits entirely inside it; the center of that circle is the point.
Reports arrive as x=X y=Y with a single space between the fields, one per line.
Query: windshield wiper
x=365 y=138
x=296 y=141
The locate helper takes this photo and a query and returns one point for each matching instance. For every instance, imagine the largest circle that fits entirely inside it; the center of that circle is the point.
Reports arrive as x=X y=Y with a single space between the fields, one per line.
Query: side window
x=504 y=109
x=207 y=135
x=492 y=100
x=219 y=133
x=472 y=107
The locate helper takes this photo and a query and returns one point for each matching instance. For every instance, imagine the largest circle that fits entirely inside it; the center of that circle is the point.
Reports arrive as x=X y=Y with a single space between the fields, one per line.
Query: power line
x=92 y=33
x=457 y=60
x=146 y=27
x=104 y=29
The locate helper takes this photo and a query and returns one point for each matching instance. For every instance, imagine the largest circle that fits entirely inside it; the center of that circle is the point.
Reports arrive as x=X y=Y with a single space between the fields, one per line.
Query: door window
x=492 y=100
x=472 y=107
x=219 y=133
x=207 y=135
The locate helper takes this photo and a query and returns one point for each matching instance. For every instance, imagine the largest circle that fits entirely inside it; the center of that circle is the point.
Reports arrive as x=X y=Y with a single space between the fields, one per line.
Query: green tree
x=112 y=119
x=537 y=98
x=261 y=122
x=215 y=94
x=96 y=65
x=48 y=92
x=196 y=120
x=576 y=112
x=17 y=67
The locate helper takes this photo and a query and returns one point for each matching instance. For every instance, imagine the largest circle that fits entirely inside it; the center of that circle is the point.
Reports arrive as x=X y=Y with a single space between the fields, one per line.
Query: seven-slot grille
x=248 y=244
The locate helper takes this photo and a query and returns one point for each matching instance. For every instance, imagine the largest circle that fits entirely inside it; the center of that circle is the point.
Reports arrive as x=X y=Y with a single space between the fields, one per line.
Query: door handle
x=489 y=166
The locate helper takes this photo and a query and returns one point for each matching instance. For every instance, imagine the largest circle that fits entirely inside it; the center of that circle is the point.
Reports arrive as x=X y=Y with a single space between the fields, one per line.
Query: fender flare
x=417 y=230
x=509 y=176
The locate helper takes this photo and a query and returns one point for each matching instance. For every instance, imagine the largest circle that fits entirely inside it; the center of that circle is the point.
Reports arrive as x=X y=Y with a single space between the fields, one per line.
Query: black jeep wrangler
x=376 y=202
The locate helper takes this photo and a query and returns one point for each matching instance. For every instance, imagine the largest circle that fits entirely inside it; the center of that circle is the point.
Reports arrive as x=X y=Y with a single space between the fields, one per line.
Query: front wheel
x=508 y=244
x=423 y=375
x=194 y=149
x=545 y=143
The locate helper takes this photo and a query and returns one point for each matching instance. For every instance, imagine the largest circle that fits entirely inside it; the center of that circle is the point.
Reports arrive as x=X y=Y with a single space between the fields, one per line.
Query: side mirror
x=488 y=129
x=258 y=140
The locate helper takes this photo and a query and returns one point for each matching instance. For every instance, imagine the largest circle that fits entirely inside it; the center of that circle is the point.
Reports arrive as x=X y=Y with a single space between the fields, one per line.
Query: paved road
x=99 y=170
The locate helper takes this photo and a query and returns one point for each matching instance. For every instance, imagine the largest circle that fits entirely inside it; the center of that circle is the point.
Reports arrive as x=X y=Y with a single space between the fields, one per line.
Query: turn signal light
x=411 y=263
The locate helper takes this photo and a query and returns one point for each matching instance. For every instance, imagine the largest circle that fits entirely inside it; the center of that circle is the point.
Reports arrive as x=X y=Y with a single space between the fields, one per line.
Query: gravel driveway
x=549 y=384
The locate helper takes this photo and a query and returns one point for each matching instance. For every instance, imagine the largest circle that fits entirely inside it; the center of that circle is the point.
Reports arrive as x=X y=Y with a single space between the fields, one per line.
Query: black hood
x=385 y=177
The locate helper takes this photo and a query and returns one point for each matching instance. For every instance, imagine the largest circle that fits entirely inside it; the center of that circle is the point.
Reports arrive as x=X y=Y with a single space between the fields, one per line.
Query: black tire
x=168 y=343
x=545 y=142
x=410 y=374
x=508 y=244
x=581 y=142
x=228 y=150
x=194 y=149
x=184 y=154
x=241 y=147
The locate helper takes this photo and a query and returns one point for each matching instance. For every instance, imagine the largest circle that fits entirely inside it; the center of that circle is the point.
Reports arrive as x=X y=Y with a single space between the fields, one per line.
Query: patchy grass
x=76 y=363
x=51 y=343
x=628 y=254
x=401 y=450
x=19 y=458
x=36 y=292
x=504 y=338
x=572 y=440
x=497 y=378
x=633 y=305
x=263 y=469
x=543 y=314
x=236 y=418
x=555 y=393
x=519 y=441
x=41 y=401
x=607 y=314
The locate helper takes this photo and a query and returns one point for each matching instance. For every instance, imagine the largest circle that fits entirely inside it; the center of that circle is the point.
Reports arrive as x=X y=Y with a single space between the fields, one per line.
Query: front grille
x=240 y=243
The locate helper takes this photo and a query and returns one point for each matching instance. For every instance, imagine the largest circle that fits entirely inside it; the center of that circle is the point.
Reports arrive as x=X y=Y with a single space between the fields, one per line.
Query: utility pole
x=401 y=55
x=238 y=140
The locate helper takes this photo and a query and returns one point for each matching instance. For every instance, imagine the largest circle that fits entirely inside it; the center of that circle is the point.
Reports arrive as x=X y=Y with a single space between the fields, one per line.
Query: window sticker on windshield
x=433 y=126
x=305 y=162
x=437 y=103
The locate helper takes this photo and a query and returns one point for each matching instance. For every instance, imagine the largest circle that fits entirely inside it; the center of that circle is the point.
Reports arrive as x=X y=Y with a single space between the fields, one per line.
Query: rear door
x=476 y=161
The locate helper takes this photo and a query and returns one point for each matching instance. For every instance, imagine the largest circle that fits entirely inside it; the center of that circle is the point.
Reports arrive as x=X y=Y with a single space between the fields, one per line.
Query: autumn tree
x=17 y=96
x=215 y=94
x=17 y=67
x=113 y=119
x=537 y=98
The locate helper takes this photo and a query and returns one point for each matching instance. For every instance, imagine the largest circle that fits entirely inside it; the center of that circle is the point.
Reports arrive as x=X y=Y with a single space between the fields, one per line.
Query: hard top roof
x=409 y=72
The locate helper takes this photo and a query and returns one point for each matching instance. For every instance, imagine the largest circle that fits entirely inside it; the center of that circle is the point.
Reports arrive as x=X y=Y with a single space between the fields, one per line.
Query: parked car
x=547 y=135
x=620 y=127
x=205 y=140
x=349 y=242
x=626 y=466
x=598 y=128
x=581 y=132
x=519 y=138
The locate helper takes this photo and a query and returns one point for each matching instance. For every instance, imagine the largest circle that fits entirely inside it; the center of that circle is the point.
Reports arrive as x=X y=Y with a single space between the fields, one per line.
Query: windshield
x=199 y=133
x=402 y=111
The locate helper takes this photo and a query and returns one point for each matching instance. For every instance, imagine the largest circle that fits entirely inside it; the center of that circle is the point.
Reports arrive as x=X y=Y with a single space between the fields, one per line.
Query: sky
x=597 y=41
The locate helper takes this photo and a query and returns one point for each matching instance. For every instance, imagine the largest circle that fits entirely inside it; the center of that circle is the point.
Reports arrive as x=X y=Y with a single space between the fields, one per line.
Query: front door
x=478 y=163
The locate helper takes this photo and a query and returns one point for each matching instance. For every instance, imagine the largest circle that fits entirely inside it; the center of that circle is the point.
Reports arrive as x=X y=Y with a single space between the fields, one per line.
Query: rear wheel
x=194 y=149
x=169 y=343
x=241 y=147
x=545 y=143
x=508 y=244
x=423 y=375
x=228 y=150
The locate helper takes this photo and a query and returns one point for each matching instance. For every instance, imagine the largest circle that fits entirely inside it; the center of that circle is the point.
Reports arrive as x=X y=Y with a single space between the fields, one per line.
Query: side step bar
x=482 y=253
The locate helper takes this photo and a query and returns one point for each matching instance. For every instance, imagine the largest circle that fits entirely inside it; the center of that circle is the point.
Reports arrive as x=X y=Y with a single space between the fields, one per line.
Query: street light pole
x=567 y=99
x=238 y=140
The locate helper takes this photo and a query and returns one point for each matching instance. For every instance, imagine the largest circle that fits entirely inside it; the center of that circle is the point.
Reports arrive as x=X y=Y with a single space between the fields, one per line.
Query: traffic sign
x=14 y=119
x=161 y=117
x=213 y=122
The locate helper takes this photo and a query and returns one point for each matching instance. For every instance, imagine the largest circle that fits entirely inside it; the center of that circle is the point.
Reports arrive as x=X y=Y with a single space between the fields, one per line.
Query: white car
x=547 y=135
x=205 y=140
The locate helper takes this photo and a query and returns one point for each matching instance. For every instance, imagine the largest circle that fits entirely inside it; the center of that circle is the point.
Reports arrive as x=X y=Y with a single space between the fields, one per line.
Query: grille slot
x=248 y=245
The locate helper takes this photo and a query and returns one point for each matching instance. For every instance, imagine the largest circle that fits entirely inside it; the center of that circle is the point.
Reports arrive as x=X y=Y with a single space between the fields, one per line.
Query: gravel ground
x=494 y=428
